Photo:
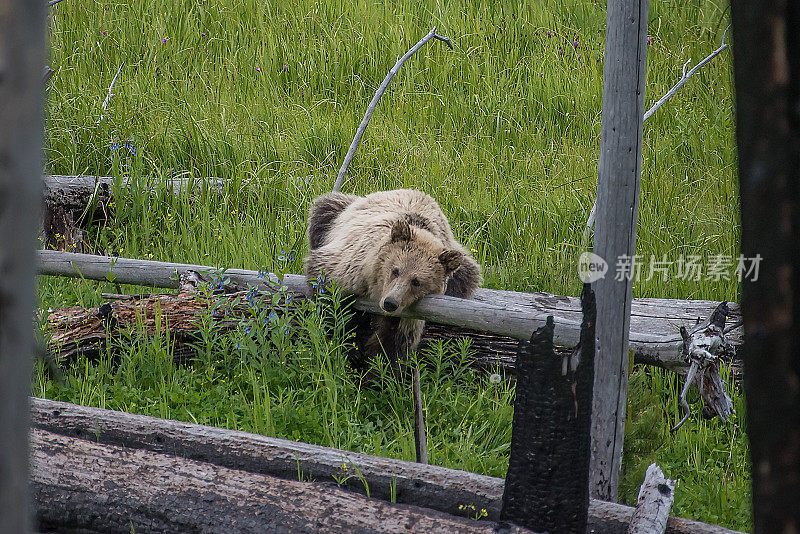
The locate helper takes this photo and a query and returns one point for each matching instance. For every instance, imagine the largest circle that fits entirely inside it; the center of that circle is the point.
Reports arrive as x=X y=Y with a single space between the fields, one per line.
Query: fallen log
x=83 y=485
x=78 y=192
x=71 y=202
x=654 y=336
x=434 y=487
x=504 y=313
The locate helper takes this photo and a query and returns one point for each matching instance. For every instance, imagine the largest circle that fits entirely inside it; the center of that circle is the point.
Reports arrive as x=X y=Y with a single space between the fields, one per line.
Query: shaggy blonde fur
x=394 y=247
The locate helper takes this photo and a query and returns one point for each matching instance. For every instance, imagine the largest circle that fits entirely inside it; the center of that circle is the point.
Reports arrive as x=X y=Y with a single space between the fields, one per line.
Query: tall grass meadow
x=503 y=131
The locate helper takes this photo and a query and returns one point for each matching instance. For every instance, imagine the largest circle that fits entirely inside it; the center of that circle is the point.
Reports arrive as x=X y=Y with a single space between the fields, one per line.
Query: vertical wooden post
x=615 y=232
x=21 y=63
x=767 y=76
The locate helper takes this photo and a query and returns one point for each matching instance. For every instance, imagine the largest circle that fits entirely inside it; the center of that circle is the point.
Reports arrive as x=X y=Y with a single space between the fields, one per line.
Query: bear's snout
x=389 y=304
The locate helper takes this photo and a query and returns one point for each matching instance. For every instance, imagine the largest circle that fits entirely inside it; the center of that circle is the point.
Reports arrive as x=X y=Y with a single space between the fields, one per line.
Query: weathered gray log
x=81 y=485
x=618 y=175
x=653 y=504
x=655 y=323
x=78 y=192
x=141 y=272
x=432 y=486
x=72 y=202
x=22 y=51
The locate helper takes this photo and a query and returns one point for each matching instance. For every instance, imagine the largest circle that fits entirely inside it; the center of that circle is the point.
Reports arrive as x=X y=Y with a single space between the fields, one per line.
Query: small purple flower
x=202 y=34
x=303 y=92
x=285 y=67
x=165 y=39
x=104 y=32
x=579 y=56
x=649 y=39
x=258 y=69
x=549 y=34
x=712 y=62
x=575 y=44
x=560 y=51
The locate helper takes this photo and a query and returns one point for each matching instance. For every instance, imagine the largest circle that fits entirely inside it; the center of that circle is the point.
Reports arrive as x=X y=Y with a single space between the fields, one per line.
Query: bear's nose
x=389 y=304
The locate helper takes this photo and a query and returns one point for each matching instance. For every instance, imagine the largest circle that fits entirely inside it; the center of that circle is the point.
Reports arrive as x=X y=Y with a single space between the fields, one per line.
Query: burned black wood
x=547 y=485
x=766 y=60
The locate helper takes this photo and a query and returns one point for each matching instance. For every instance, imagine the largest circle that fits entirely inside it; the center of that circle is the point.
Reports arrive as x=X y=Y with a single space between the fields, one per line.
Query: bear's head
x=413 y=264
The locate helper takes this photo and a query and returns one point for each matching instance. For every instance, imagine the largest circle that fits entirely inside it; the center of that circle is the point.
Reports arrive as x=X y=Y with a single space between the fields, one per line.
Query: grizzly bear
x=393 y=247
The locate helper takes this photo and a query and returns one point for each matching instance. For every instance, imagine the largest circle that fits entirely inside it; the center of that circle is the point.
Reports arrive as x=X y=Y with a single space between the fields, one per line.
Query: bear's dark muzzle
x=389 y=304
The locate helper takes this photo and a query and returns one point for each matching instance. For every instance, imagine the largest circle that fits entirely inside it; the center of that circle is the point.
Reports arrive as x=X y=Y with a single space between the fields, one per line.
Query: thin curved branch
x=684 y=76
x=371 y=109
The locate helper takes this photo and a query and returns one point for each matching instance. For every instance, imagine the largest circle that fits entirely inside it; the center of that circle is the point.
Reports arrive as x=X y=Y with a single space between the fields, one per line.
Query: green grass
x=503 y=131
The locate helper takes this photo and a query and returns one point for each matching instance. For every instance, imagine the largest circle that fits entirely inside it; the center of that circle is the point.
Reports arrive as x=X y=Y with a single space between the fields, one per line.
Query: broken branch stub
x=653 y=504
x=547 y=485
x=703 y=346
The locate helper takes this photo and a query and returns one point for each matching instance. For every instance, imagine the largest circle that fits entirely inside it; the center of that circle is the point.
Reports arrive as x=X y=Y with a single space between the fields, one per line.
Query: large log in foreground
x=79 y=485
x=430 y=486
x=654 y=334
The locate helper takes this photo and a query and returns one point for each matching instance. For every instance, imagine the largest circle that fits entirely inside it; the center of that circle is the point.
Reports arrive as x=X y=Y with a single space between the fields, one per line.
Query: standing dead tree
x=618 y=176
x=21 y=63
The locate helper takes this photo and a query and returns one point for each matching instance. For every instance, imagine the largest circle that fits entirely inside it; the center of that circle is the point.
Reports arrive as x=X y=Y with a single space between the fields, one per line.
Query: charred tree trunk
x=767 y=76
x=547 y=485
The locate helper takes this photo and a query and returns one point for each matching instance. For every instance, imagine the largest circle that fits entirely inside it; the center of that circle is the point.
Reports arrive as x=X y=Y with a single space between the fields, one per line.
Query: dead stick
x=420 y=439
x=110 y=95
x=371 y=109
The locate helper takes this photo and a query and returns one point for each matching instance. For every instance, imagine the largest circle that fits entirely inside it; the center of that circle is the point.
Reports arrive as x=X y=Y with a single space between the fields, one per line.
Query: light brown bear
x=394 y=247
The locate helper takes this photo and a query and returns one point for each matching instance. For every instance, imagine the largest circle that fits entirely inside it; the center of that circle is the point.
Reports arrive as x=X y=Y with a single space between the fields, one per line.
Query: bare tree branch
x=110 y=95
x=684 y=76
x=371 y=109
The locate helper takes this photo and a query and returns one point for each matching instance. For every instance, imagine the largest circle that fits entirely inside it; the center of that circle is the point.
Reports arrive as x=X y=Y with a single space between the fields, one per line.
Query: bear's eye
x=414 y=282
x=395 y=273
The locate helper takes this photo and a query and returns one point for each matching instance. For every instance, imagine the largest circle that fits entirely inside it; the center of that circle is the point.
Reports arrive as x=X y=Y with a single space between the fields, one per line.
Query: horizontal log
x=431 y=486
x=76 y=192
x=139 y=272
x=82 y=485
x=655 y=323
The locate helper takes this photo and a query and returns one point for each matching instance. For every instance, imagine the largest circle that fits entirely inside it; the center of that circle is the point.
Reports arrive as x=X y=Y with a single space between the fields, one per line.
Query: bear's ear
x=401 y=231
x=451 y=259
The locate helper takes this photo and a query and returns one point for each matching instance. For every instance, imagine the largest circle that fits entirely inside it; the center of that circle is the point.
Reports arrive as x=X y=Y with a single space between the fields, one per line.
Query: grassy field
x=503 y=131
